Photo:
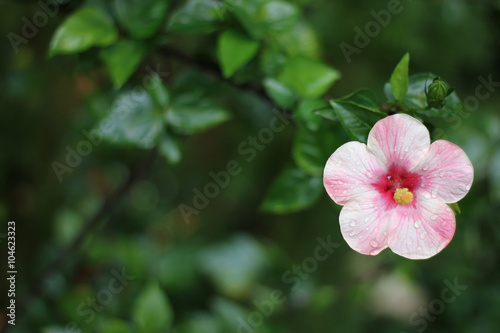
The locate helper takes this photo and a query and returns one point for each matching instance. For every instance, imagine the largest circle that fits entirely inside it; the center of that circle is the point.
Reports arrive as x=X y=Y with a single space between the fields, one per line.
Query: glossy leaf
x=356 y=121
x=197 y=16
x=311 y=150
x=292 y=191
x=280 y=94
x=169 y=148
x=89 y=26
x=133 y=120
x=399 y=78
x=308 y=77
x=365 y=99
x=234 y=50
x=141 y=18
x=151 y=311
x=301 y=39
x=261 y=17
x=122 y=60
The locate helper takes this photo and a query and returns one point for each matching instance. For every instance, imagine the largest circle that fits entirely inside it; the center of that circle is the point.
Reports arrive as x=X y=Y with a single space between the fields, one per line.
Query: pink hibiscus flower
x=396 y=188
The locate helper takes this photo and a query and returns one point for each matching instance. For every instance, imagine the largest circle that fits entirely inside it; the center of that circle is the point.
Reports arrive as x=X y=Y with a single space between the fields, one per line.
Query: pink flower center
x=397 y=178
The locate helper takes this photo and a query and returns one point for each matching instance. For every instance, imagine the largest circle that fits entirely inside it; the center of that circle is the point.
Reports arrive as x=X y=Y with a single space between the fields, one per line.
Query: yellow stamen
x=403 y=197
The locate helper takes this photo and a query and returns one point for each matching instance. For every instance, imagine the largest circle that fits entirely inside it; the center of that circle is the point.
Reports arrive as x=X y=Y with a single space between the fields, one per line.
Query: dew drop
x=385 y=233
x=367 y=219
x=425 y=167
x=351 y=150
x=338 y=164
x=367 y=228
x=434 y=217
x=358 y=162
x=427 y=195
x=353 y=223
x=344 y=192
x=467 y=187
x=407 y=148
x=434 y=193
x=369 y=174
x=374 y=252
x=356 y=182
x=419 y=249
x=374 y=243
x=352 y=234
x=441 y=174
x=422 y=235
x=417 y=224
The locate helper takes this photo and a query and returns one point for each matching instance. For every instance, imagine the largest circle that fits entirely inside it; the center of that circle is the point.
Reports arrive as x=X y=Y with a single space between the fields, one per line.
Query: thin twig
x=40 y=281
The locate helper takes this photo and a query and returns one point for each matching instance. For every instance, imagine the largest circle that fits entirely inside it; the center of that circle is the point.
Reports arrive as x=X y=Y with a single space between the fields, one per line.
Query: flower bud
x=437 y=93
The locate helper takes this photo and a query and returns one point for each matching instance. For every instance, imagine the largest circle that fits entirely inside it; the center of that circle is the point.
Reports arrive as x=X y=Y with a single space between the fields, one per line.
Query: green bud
x=437 y=93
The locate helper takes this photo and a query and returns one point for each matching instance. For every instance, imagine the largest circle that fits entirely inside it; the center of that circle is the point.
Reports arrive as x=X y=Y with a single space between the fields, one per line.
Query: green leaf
x=197 y=16
x=234 y=50
x=235 y=265
x=141 y=18
x=455 y=208
x=133 y=120
x=399 y=78
x=357 y=121
x=89 y=26
x=201 y=323
x=301 y=39
x=279 y=93
x=152 y=311
x=159 y=92
x=196 y=117
x=311 y=150
x=271 y=61
x=116 y=326
x=365 y=99
x=307 y=113
x=292 y=191
x=169 y=148
x=308 y=77
x=260 y=17
x=122 y=60
x=416 y=98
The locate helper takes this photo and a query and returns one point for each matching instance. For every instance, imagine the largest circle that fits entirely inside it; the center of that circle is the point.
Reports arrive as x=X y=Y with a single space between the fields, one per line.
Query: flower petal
x=399 y=139
x=364 y=223
x=350 y=171
x=447 y=172
x=421 y=231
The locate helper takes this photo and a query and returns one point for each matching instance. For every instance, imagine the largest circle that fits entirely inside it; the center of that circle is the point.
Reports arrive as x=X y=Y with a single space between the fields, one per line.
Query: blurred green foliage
x=95 y=91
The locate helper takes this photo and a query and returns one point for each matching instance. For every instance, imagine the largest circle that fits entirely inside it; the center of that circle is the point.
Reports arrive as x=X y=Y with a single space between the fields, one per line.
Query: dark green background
x=231 y=254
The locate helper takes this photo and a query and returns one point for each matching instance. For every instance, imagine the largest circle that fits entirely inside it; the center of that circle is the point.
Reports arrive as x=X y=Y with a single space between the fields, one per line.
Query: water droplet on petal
x=434 y=217
x=467 y=187
x=417 y=224
x=422 y=235
x=344 y=192
x=367 y=219
x=351 y=150
x=385 y=233
x=427 y=195
x=352 y=234
x=434 y=193
x=374 y=243
x=369 y=174
x=407 y=148
x=358 y=162
x=353 y=223
x=367 y=228
x=441 y=174
x=340 y=182
x=425 y=167
x=356 y=182
x=419 y=249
